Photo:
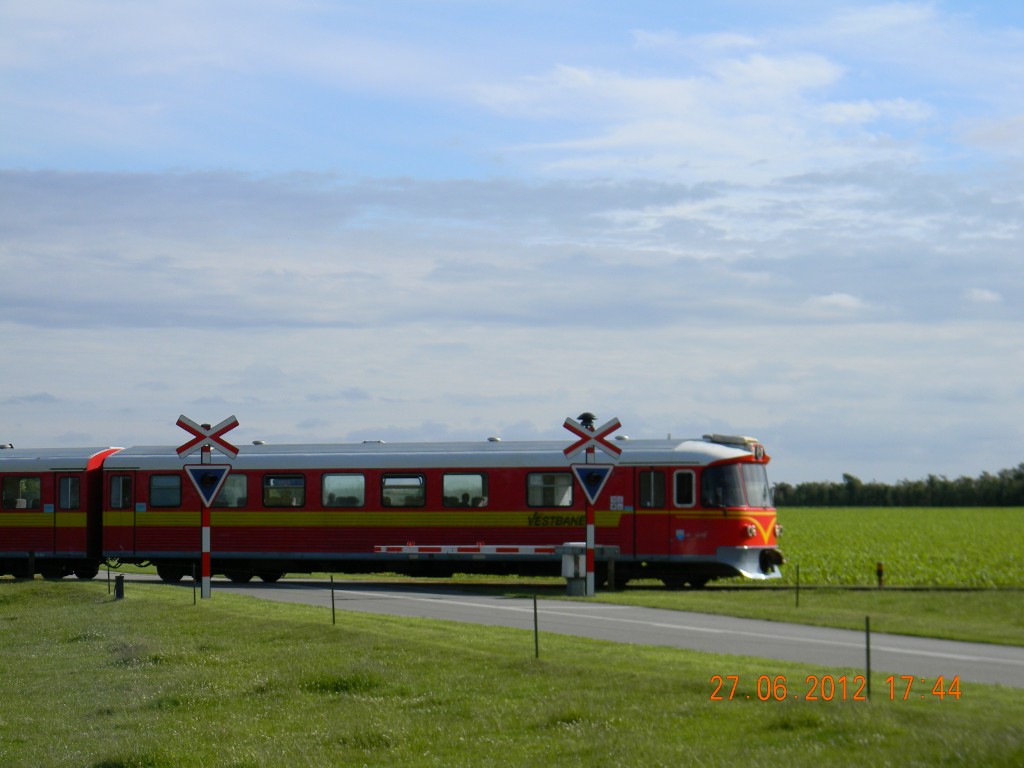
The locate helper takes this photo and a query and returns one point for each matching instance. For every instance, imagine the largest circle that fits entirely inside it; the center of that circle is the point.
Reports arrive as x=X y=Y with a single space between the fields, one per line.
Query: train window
x=69 y=492
x=120 y=491
x=721 y=486
x=403 y=491
x=284 y=490
x=165 y=491
x=234 y=492
x=465 y=490
x=549 y=489
x=685 y=487
x=347 y=490
x=652 y=489
x=21 y=493
x=755 y=480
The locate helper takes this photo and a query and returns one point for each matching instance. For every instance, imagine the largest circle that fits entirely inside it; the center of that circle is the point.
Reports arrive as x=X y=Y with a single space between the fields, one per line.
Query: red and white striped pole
x=205 y=524
x=590 y=534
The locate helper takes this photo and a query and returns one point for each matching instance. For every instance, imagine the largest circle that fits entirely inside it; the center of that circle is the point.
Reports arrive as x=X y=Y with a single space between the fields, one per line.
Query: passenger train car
x=683 y=511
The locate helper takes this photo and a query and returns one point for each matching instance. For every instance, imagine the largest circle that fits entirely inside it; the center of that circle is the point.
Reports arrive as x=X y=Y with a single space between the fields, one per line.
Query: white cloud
x=867 y=112
x=983 y=296
x=692 y=45
x=1001 y=135
x=836 y=302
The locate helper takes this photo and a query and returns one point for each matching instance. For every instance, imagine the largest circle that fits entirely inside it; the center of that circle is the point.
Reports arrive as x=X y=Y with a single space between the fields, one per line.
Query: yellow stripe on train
x=43 y=520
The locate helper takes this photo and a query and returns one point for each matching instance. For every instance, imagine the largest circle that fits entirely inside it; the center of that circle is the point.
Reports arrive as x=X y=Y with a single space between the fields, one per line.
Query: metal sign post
x=591 y=476
x=206 y=477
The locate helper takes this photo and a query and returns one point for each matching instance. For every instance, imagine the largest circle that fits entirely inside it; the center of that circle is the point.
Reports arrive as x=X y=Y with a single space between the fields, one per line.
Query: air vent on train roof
x=741 y=441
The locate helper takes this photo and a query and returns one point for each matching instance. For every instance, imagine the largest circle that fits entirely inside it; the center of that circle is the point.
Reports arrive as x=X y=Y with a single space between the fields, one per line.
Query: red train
x=683 y=511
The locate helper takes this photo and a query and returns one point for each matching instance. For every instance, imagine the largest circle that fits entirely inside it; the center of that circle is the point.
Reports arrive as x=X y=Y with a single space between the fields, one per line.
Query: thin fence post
x=797 y=585
x=867 y=648
x=536 y=631
x=333 y=619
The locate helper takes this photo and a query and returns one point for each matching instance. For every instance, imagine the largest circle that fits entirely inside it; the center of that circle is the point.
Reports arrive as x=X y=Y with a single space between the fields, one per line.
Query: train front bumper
x=752 y=562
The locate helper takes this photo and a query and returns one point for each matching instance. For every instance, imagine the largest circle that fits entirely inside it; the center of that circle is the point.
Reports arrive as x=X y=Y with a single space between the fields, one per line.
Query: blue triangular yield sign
x=208 y=479
x=592 y=478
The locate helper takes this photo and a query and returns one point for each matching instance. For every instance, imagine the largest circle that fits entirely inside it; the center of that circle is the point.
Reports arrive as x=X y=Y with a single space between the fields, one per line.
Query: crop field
x=919 y=546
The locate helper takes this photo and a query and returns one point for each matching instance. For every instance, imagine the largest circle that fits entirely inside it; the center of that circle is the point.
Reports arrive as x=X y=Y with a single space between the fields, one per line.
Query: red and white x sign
x=207 y=436
x=595 y=439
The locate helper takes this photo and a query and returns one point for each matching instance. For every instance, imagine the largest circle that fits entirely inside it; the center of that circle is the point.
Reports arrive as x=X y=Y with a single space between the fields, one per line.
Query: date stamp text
x=831 y=688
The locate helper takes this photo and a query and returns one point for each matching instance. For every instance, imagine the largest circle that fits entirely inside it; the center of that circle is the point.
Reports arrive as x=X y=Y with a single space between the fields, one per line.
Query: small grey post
x=536 y=631
x=867 y=647
x=797 y=586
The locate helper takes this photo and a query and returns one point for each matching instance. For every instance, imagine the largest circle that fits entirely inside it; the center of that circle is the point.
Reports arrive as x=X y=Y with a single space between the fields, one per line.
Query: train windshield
x=755 y=481
x=735 y=485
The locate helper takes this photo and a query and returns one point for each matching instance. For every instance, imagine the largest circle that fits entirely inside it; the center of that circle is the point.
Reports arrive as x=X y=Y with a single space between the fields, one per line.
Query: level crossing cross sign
x=206 y=435
x=590 y=439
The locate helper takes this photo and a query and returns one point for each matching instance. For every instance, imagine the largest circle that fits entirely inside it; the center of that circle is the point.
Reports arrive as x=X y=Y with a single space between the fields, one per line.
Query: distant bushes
x=1004 y=489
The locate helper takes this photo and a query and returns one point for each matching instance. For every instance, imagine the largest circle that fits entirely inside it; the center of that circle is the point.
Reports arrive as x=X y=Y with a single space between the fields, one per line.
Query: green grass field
x=154 y=681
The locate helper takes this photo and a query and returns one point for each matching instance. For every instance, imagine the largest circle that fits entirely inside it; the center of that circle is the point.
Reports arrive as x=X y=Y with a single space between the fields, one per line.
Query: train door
x=119 y=514
x=651 y=519
x=690 y=530
x=69 y=517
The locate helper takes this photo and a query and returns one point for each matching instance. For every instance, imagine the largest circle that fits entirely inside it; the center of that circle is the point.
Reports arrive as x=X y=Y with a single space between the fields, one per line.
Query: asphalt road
x=841 y=650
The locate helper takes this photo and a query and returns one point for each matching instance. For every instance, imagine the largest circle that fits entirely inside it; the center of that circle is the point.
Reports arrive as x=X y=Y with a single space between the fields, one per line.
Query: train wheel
x=87 y=571
x=239 y=577
x=172 y=574
x=674 y=582
x=52 y=572
x=270 y=576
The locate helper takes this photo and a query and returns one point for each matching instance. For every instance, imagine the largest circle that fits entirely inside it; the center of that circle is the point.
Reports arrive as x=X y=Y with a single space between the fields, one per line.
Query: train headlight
x=778 y=530
x=751 y=531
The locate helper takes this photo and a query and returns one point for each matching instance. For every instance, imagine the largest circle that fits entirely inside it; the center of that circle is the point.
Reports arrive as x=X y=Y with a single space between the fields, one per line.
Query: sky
x=447 y=220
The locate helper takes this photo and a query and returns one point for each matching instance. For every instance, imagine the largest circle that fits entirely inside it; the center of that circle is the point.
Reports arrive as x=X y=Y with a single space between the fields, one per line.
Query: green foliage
x=153 y=681
x=1006 y=488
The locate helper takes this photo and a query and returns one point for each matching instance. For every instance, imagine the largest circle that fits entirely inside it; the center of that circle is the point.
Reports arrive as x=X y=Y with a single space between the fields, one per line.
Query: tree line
x=1003 y=489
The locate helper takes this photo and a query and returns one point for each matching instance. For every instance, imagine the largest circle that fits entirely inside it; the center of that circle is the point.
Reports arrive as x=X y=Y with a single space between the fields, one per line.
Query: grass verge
x=983 y=616
x=154 y=681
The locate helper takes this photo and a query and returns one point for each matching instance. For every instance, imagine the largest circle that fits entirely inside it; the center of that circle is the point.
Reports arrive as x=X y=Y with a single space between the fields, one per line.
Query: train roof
x=383 y=455
x=48 y=459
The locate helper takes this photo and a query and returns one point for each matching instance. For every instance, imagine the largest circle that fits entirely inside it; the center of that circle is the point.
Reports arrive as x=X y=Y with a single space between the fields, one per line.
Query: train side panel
x=50 y=511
